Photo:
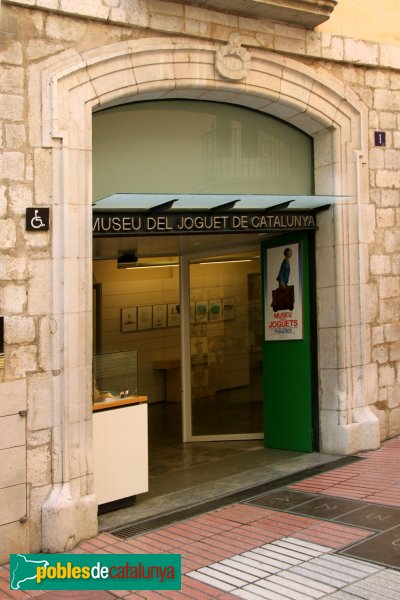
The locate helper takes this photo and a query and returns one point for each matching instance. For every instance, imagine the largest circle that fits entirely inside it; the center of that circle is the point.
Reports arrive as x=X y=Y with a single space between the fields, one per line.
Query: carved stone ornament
x=232 y=61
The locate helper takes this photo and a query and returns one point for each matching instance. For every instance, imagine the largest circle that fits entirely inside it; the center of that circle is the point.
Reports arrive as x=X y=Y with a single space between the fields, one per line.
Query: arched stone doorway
x=71 y=86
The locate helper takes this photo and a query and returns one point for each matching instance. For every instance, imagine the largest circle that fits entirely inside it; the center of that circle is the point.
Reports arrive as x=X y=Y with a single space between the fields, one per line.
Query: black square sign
x=380 y=138
x=37 y=219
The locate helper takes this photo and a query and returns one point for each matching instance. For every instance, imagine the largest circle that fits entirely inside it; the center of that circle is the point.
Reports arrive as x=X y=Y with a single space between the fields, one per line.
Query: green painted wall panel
x=287 y=371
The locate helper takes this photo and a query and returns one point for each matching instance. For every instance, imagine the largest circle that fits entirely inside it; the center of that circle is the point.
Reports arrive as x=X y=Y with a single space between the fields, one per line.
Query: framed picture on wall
x=215 y=310
x=201 y=312
x=128 y=319
x=159 y=316
x=173 y=315
x=145 y=317
x=228 y=309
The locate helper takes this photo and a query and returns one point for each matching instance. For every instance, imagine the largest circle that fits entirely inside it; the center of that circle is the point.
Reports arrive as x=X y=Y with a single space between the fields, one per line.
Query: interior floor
x=235 y=410
x=186 y=474
x=168 y=455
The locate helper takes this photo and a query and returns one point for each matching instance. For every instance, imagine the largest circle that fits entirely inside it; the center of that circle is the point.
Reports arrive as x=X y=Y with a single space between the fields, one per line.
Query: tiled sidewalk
x=254 y=552
x=375 y=479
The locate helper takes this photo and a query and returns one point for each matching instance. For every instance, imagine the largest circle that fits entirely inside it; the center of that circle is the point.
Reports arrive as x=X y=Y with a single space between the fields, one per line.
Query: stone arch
x=74 y=85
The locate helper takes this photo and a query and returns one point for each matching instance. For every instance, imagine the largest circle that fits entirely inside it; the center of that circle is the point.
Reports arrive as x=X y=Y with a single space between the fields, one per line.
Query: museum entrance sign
x=134 y=214
x=109 y=223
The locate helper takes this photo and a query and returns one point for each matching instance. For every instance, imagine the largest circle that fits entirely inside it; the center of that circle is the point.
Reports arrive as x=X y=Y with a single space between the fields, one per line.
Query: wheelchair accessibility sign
x=37 y=219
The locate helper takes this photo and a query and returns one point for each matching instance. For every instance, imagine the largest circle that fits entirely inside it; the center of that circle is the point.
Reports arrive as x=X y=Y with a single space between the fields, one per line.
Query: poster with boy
x=283 y=297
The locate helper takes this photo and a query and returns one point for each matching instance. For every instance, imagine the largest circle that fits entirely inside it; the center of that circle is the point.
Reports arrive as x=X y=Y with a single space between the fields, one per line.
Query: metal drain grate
x=150 y=524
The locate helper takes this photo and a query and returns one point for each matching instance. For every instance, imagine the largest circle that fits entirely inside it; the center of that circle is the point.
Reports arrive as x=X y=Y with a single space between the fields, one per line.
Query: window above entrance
x=197 y=147
x=306 y=13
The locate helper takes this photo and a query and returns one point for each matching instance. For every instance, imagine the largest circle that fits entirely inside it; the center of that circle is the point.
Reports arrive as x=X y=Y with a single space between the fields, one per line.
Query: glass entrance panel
x=225 y=346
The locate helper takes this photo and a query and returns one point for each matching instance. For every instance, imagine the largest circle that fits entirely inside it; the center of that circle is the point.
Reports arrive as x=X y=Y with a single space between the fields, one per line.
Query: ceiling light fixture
x=222 y=262
x=150 y=266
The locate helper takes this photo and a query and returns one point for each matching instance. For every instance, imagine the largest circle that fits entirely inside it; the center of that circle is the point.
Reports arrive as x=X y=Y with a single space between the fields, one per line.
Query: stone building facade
x=63 y=59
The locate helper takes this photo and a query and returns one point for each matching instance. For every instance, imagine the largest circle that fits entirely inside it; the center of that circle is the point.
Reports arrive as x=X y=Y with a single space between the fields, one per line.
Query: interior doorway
x=225 y=346
x=151 y=307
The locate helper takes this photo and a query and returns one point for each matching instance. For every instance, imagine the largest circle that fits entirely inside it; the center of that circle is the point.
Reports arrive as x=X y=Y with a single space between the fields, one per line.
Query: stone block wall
x=25 y=407
x=379 y=88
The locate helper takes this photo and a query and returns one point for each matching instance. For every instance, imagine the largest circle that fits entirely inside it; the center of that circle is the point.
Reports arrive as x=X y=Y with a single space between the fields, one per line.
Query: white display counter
x=120 y=449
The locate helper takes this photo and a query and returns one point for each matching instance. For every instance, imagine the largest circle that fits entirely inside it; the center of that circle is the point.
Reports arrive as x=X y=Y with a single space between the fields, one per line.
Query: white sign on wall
x=283 y=293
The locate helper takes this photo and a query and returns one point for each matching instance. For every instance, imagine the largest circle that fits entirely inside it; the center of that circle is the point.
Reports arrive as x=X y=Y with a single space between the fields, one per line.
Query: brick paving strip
x=374 y=479
x=254 y=552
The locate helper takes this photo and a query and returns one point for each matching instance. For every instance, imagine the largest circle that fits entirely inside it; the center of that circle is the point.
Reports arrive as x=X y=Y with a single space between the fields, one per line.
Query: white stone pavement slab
x=291 y=569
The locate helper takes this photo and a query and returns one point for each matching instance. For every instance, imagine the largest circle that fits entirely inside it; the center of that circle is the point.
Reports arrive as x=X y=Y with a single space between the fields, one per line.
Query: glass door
x=224 y=343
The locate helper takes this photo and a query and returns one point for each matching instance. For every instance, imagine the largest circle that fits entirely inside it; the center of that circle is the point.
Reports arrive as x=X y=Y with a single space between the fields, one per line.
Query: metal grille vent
x=150 y=524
